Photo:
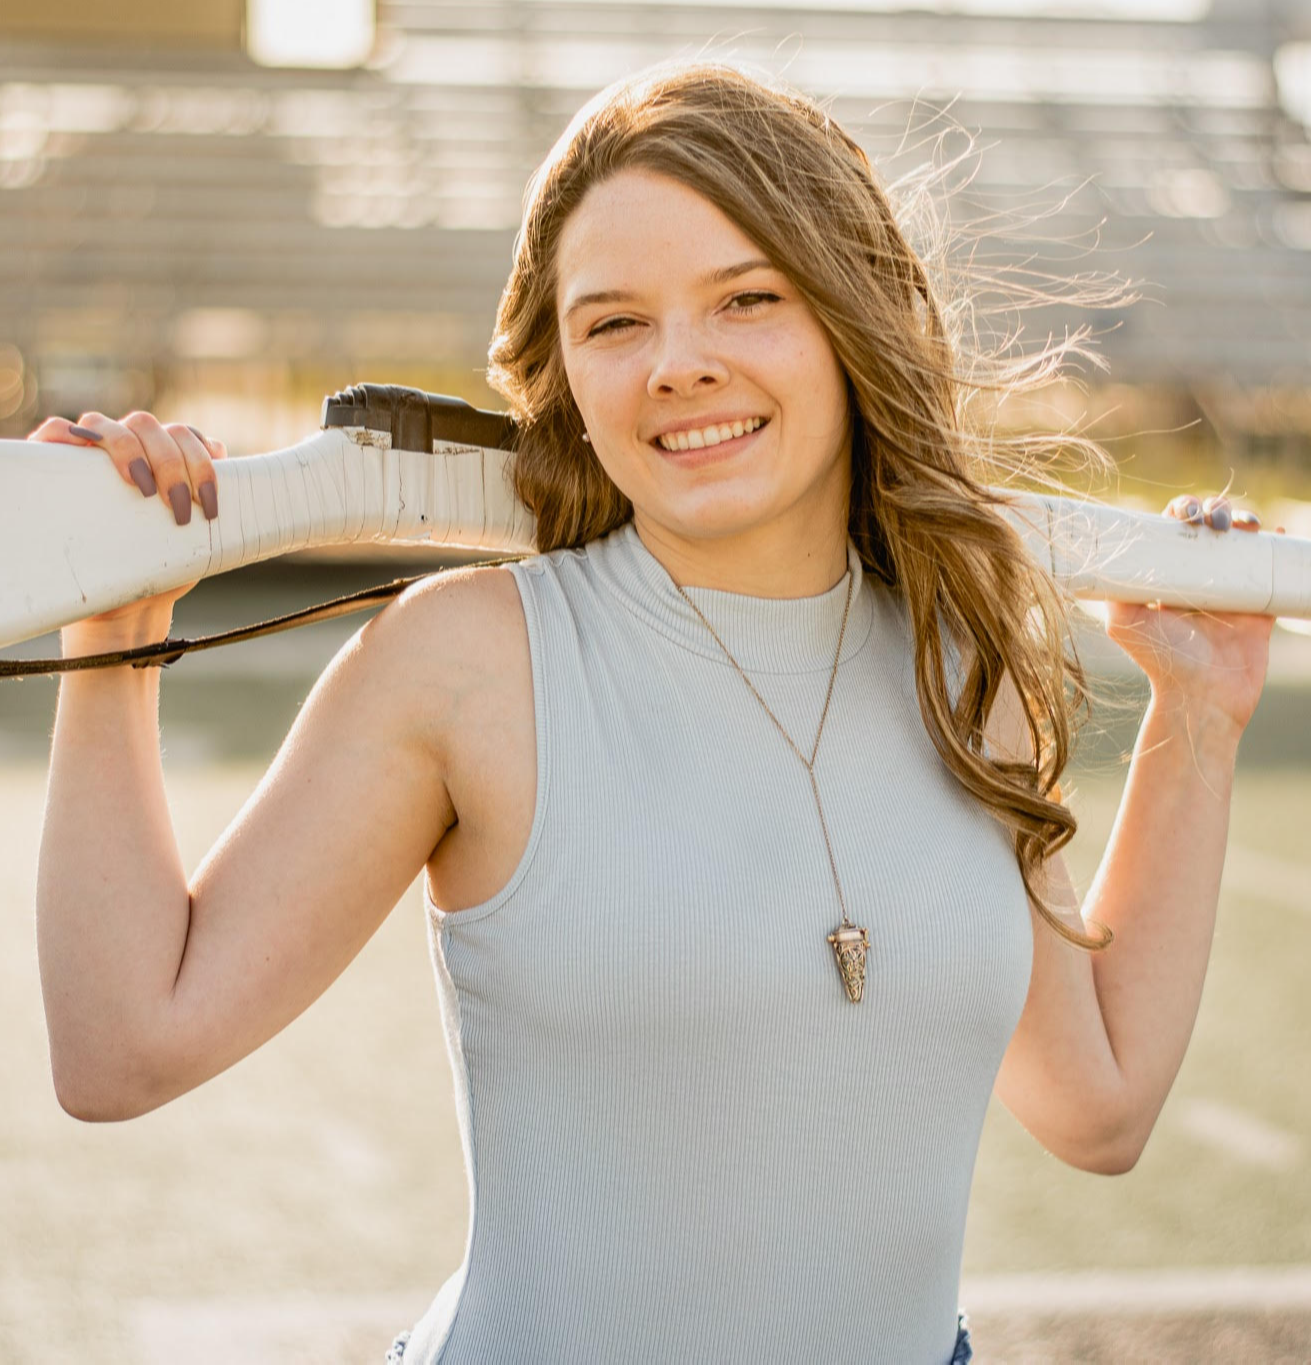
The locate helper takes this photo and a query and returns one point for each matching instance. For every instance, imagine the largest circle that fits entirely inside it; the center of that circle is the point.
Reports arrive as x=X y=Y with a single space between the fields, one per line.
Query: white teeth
x=710 y=436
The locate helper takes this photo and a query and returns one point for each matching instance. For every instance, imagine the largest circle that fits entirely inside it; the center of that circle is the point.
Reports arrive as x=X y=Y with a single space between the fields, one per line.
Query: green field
x=325 y=1170
x=1191 y=1201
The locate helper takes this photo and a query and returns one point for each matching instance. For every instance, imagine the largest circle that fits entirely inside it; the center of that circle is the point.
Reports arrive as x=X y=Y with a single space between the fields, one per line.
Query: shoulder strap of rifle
x=169 y=651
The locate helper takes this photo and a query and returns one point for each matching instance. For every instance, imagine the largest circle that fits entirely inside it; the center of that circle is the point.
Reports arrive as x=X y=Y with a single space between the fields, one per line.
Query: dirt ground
x=1270 y=1337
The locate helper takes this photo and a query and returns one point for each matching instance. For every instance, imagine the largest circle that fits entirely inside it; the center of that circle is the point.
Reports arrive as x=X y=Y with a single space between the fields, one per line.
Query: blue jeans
x=964 y=1352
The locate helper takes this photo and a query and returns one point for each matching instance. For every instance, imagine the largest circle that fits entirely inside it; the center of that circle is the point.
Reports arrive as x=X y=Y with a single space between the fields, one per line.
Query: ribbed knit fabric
x=684 y=1142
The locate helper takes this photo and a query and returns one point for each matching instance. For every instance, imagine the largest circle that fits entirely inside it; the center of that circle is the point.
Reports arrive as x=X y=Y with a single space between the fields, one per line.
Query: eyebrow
x=720 y=276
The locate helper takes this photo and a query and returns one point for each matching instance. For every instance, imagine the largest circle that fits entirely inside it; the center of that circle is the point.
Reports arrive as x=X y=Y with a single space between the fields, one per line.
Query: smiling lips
x=708 y=436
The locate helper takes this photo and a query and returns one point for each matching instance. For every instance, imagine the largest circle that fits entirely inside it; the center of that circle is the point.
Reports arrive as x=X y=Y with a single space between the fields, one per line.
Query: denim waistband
x=963 y=1352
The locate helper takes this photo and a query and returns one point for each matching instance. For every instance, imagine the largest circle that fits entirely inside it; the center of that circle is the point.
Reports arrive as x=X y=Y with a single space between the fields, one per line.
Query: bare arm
x=1102 y=1035
x=153 y=982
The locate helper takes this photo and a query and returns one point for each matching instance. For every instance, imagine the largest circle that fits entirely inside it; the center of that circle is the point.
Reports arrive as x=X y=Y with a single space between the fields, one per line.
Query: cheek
x=840 y=400
x=833 y=384
x=802 y=359
x=576 y=379
x=823 y=383
x=603 y=388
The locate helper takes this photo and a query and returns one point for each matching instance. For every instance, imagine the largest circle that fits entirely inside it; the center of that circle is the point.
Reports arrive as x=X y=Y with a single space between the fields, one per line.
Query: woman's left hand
x=1212 y=663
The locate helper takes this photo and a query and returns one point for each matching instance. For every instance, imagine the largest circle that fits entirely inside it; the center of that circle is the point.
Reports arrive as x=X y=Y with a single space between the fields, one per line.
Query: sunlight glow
x=219 y=333
x=1216 y=78
x=1143 y=11
x=1293 y=75
x=302 y=33
x=1194 y=192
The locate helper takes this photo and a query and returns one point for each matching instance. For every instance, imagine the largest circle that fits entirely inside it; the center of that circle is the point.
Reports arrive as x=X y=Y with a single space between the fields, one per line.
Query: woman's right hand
x=173 y=462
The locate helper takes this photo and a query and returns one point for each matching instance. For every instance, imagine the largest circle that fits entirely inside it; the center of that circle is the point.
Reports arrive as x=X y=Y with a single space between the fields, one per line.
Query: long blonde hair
x=921 y=514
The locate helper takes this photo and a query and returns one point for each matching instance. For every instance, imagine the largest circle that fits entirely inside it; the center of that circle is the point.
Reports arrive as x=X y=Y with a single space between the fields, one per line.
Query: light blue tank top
x=684 y=1143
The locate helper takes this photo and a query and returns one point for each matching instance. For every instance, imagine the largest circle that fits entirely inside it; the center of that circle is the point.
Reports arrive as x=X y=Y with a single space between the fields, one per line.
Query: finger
x=123 y=448
x=1185 y=507
x=167 y=461
x=1245 y=520
x=216 y=448
x=200 y=466
x=1218 y=513
x=63 y=431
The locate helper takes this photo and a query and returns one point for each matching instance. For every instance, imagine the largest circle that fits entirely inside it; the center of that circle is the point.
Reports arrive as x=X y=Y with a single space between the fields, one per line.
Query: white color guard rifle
x=396 y=464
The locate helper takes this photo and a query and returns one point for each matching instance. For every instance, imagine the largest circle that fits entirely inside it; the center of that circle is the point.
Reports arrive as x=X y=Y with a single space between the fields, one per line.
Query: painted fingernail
x=84 y=433
x=208 y=499
x=199 y=435
x=1220 y=518
x=143 y=478
x=180 y=496
x=1247 y=521
x=1192 y=509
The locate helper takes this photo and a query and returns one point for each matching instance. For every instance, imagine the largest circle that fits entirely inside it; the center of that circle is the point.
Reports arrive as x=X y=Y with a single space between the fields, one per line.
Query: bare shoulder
x=460 y=614
x=462 y=640
x=451 y=635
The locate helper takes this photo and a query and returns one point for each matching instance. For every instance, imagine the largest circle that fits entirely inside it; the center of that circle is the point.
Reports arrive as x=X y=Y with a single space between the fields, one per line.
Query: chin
x=711 y=522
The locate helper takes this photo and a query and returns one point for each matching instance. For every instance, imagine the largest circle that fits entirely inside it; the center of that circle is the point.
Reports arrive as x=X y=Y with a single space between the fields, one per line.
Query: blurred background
x=223 y=210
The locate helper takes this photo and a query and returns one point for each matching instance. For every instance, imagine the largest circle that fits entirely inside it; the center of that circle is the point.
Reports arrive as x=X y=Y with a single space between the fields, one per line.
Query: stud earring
x=587 y=439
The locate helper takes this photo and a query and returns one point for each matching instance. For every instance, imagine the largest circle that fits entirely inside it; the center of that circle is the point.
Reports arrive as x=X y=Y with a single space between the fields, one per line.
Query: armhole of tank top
x=447 y=920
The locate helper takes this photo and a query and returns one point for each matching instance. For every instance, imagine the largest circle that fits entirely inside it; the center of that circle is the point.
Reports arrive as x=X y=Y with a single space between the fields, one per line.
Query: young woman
x=738 y=804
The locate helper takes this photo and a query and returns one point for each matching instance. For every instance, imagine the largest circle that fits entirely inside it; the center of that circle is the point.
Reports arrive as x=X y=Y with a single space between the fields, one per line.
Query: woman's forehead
x=638 y=228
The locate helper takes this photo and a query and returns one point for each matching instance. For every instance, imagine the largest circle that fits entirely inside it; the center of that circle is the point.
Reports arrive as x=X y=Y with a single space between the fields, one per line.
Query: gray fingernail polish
x=1192 y=508
x=85 y=433
x=1220 y=518
x=140 y=473
x=180 y=496
x=199 y=435
x=208 y=499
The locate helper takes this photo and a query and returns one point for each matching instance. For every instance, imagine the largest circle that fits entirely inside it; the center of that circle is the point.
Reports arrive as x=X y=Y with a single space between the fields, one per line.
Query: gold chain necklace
x=850 y=941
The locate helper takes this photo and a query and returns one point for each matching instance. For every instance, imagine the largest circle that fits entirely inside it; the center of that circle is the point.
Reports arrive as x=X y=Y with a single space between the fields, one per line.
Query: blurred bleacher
x=182 y=225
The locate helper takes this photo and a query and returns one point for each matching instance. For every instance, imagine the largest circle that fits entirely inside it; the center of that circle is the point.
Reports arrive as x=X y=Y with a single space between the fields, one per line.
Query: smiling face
x=711 y=393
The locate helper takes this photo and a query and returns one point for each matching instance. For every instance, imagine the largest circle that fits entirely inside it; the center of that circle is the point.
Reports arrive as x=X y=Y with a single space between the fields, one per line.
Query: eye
x=751 y=300
x=611 y=325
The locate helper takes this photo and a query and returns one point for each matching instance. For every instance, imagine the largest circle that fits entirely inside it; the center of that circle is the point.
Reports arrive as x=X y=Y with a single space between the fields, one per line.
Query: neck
x=756 y=564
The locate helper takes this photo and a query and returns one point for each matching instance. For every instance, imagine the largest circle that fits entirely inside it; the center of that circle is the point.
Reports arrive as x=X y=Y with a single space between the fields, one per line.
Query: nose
x=685 y=363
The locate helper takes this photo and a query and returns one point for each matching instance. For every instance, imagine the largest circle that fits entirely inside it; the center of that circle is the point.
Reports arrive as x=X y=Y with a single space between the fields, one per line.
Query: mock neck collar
x=764 y=634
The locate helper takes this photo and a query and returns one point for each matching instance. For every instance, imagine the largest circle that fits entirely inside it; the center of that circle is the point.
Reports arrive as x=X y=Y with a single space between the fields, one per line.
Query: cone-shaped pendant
x=850 y=944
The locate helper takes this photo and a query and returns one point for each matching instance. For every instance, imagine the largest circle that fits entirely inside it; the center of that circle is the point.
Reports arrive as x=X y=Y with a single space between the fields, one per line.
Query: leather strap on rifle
x=171 y=650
